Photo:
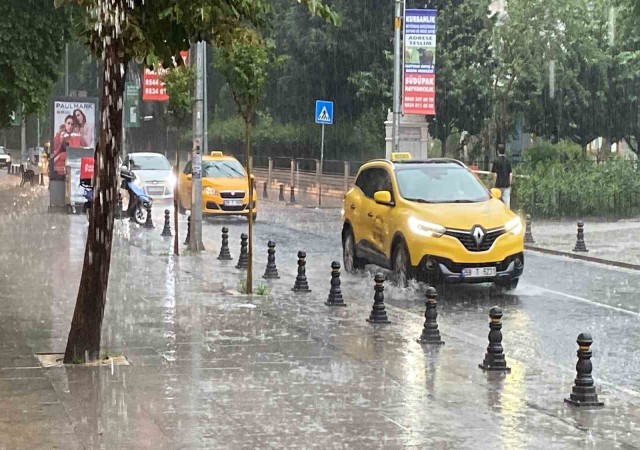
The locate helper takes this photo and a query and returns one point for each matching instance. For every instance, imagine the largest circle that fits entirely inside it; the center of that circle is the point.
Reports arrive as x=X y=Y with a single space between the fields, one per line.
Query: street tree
x=31 y=51
x=118 y=31
x=245 y=64
x=464 y=61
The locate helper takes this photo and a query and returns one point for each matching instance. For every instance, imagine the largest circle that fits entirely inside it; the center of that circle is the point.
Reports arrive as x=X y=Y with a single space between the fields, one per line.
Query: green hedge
x=578 y=188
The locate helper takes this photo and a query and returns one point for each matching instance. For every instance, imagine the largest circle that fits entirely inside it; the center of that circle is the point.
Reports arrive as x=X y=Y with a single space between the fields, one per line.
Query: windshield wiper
x=462 y=201
x=419 y=200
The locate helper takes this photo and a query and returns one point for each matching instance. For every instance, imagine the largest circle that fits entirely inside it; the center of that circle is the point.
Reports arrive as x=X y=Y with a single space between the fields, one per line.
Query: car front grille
x=232 y=194
x=469 y=242
x=155 y=190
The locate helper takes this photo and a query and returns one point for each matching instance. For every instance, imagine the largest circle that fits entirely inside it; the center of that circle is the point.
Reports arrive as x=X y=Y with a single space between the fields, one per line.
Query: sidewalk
x=615 y=240
x=214 y=369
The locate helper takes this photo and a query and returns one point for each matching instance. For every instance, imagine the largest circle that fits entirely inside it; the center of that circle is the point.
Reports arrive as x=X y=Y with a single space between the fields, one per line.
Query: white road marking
x=586 y=300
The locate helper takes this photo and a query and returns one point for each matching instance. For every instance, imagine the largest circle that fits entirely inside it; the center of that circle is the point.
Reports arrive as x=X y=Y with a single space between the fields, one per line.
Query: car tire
x=401 y=268
x=351 y=262
x=181 y=209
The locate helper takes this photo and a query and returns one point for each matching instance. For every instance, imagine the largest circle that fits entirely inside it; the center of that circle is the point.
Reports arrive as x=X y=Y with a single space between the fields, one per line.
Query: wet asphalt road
x=556 y=300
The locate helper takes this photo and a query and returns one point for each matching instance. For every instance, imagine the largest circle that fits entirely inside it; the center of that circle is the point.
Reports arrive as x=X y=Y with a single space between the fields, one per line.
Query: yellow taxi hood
x=462 y=216
x=226 y=184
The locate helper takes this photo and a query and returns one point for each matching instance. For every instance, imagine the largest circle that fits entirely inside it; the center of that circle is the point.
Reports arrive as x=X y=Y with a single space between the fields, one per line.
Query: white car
x=153 y=173
x=5 y=158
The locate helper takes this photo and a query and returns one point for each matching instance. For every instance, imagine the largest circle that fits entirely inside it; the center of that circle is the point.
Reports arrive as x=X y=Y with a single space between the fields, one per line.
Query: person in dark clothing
x=502 y=175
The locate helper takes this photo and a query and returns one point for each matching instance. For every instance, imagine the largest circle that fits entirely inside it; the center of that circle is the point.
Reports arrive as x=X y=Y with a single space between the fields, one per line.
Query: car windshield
x=222 y=169
x=149 y=162
x=439 y=183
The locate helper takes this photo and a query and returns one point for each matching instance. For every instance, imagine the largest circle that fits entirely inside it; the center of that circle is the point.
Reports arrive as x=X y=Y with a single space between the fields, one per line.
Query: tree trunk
x=247 y=149
x=84 y=337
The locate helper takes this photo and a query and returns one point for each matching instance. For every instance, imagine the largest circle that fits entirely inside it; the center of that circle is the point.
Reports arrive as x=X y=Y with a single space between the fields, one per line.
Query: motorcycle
x=139 y=202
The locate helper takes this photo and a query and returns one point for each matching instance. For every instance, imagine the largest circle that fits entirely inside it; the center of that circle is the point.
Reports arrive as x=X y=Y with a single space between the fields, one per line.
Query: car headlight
x=427 y=229
x=514 y=226
x=172 y=180
x=210 y=191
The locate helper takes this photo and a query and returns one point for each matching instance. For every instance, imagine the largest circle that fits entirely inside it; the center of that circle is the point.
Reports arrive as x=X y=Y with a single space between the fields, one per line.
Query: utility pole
x=397 y=67
x=205 y=144
x=23 y=137
x=66 y=70
x=196 y=244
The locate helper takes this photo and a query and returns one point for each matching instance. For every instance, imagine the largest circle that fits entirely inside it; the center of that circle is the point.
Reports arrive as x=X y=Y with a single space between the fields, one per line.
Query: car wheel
x=401 y=265
x=351 y=262
x=181 y=209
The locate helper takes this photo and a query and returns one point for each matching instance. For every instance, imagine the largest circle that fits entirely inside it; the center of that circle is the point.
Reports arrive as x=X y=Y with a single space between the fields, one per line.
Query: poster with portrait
x=74 y=125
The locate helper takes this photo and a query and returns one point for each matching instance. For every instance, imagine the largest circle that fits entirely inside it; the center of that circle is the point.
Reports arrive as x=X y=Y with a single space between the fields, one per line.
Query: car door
x=380 y=215
x=354 y=208
x=184 y=186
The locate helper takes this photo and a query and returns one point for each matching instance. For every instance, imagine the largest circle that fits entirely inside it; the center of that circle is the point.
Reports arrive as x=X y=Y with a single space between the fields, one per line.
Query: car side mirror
x=189 y=176
x=496 y=193
x=383 y=198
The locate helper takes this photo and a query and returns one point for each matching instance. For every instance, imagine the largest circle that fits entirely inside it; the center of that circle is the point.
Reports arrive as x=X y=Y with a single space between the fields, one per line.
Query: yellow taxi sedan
x=432 y=220
x=225 y=190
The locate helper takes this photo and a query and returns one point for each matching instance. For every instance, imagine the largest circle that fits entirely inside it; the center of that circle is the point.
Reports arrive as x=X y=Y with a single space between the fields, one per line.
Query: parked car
x=153 y=174
x=432 y=220
x=5 y=158
x=225 y=190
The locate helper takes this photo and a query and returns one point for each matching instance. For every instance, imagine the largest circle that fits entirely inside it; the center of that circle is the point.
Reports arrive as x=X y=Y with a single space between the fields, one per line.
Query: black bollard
x=149 y=222
x=335 y=293
x=430 y=333
x=225 y=255
x=187 y=241
x=281 y=197
x=580 y=245
x=494 y=358
x=378 y=312
x=301 y=284
x=292 y=197
x=166 y=231
x=265 y=191
x=243 y=259
x=271 y=271
x=583 y=393
x=528 y=237
x=41 y=179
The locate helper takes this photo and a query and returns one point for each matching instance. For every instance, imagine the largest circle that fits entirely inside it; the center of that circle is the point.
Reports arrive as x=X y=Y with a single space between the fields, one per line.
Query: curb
x=572 y=255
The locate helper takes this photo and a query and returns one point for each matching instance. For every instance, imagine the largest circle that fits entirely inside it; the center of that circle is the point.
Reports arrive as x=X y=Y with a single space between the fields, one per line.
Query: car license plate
x=479 y=272
x=233 y=203
x=155 y=190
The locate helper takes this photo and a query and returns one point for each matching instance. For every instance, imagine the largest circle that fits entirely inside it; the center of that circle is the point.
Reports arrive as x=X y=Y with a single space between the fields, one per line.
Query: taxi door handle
x=370 y=214
x=352 y=206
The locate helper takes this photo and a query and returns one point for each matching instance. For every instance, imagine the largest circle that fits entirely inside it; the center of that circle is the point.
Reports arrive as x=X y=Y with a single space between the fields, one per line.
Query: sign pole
x=396 y=75
x=321 y=164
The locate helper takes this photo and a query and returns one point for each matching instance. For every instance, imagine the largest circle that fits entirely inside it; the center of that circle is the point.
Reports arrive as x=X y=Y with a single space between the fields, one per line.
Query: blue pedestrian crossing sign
x=324 y=112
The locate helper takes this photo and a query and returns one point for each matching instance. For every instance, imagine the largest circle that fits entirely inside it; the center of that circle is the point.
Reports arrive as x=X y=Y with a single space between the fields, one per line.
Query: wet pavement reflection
x=214 y=369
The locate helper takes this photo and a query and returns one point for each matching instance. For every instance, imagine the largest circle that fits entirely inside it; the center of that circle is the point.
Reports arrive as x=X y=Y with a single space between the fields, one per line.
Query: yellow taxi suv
x=432 y=220
x=225 y=190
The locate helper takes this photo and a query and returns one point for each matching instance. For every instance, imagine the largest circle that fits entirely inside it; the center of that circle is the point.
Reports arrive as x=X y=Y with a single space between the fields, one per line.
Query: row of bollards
x=580 y=244
x=583 y=392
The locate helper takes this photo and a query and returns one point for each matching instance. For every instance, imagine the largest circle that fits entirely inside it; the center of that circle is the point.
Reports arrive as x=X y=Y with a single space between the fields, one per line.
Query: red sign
x=153 y=90
x=86 y=168
x=419 y=94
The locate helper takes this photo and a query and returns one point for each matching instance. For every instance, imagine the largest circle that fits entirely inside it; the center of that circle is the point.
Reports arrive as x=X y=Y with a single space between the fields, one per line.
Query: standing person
x=502 y=175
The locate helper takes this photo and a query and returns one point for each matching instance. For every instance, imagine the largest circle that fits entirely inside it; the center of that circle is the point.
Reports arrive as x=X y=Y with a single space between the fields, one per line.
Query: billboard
x=419 y=82
x=153 y=89
x=74 y=125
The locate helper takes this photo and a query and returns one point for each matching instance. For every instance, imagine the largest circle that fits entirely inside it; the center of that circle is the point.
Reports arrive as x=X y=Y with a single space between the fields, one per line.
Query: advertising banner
x=419 y=83
x=131 y=105
x=153 y=90
x=74 y=125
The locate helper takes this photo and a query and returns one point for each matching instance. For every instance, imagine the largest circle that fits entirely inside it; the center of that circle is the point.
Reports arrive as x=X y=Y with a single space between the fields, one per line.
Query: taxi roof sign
x=400 y=156
x=217 y=153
